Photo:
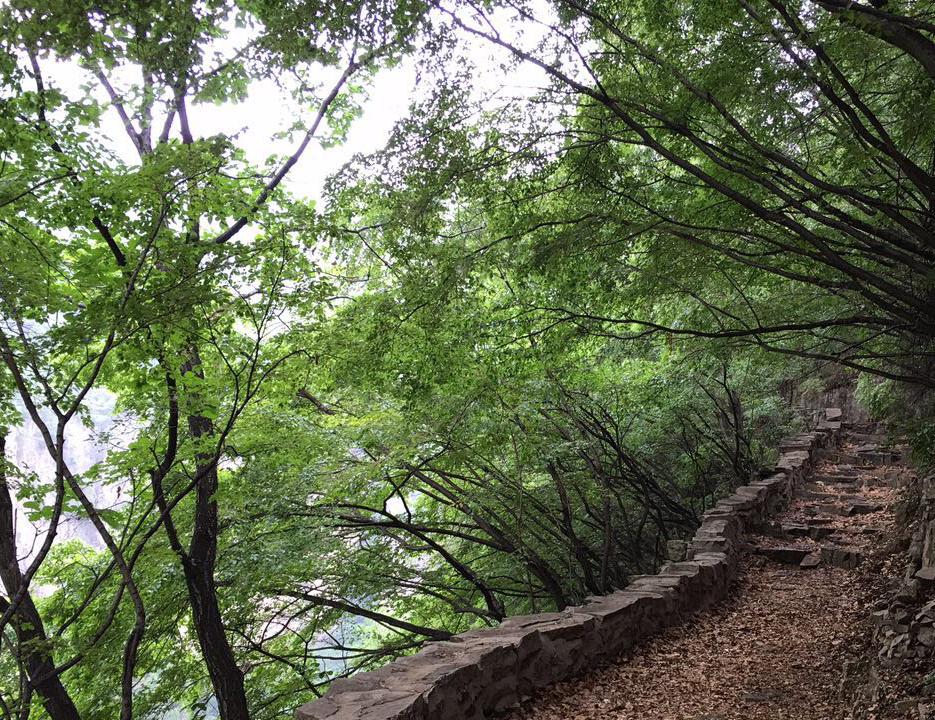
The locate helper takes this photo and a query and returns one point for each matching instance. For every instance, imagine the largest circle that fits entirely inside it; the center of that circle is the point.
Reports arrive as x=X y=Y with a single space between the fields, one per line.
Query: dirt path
x=776 y=649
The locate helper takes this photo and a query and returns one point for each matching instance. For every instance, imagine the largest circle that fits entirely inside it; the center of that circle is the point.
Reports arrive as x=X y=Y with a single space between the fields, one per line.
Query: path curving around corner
x=776 y=648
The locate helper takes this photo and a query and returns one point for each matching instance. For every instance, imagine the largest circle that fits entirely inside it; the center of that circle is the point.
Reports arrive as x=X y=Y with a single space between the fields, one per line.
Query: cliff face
x=86 y=445
x=896 y=680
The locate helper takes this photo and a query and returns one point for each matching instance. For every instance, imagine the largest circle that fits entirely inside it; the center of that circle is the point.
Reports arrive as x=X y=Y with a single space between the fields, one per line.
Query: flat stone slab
x=840 y=557
x=811 y=561
x=926 y=574
x=876 y=439
x=840 y=477
x=784 y=555
x=795 y=530
x=848 y=459
x=817 y=532
x=862 y=508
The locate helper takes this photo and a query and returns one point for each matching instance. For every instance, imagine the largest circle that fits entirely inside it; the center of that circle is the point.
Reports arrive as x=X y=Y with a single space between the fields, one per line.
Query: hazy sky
x=268 y=109
x=255 y=122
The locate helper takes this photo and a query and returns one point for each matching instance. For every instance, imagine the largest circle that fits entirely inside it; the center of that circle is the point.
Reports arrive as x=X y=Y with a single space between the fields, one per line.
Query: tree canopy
x=579 y=295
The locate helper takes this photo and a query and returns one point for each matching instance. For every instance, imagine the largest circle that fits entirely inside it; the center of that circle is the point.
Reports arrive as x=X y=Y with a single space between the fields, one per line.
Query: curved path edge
x=486 y=671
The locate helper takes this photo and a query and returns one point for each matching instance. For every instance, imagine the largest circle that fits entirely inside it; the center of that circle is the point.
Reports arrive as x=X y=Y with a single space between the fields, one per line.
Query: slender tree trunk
x=27 y=623
x=199 y=564
x=226 y=676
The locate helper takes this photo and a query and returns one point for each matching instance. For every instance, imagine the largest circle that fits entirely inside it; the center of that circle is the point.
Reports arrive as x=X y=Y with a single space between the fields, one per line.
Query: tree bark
x=27 y=623
x=199 y=565
x=889 y=28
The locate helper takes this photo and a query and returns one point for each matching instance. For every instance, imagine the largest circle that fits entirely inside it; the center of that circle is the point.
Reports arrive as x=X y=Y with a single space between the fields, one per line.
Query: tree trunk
x=27 y=623
x=199 y=564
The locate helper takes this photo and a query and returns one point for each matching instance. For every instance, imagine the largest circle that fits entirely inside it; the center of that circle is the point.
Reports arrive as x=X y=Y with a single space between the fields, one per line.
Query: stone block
x=811 y=561
x=840 y=557
x=526 y=653
x=817 y=532
x=728 y=526
x=862 y=508
x=785 y=555
x=708 y=545
x=928 y=545
x=928 y=488
x=365 y=700
x=795 y=530
x=625 y=617
x=676 y=550
x=803 y=441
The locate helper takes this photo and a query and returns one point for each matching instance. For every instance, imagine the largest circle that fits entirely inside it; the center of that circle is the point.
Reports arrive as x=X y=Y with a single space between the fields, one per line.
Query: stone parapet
x=483 y=672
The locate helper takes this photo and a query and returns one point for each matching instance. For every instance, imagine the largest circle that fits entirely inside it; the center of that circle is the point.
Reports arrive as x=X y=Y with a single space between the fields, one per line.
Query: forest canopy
x=597 y=269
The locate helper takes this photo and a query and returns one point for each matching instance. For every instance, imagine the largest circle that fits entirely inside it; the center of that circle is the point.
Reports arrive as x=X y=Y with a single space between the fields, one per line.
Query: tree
x=509 y=357
x=159 y=277
x=757 y=134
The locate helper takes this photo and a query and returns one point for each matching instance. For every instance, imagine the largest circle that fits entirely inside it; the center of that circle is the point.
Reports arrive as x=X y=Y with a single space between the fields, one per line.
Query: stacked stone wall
x=482 y=672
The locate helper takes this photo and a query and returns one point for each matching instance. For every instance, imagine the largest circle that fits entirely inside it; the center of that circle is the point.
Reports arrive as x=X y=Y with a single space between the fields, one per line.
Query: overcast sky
x=268 y=109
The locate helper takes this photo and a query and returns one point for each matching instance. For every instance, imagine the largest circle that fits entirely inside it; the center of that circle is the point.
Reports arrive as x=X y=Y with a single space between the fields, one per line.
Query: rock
x=926 y=574
x=839 y=458
x=840 y=557
x=817 y=532
x=810 y=561
x=796 y=443
x=925 y=635
x=795 y=530
x=897 y=479
x=785 y=555
x=875 y=439
x=772 y=529
x=928 y=488
x=906 y=706
x=897 y=646
x=928 y=545
x=676 y=550
x=900 y=616
x=926 y=612
x=838 y=477
x=873 y=457
x=909 y=591
x=862 y=508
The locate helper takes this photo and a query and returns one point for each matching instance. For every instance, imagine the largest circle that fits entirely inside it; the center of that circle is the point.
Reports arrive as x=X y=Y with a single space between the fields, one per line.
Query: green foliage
x=509 y=356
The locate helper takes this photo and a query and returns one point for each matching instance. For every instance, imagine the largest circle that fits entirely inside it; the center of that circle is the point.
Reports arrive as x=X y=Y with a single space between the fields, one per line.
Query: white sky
x=269 y=110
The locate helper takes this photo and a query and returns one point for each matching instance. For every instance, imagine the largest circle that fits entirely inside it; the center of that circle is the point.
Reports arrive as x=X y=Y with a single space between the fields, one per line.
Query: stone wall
x=905 y=620
x=482 y=672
